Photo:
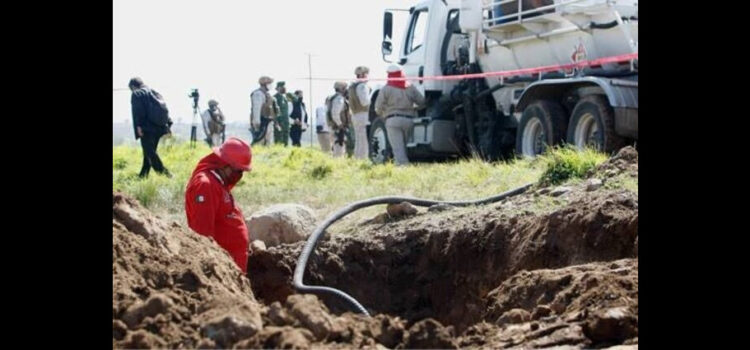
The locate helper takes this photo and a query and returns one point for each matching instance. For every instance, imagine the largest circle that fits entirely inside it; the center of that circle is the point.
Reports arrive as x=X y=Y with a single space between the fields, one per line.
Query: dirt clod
x=401 y=209
x=612 y=325
x=514 y=316
x=430 y=334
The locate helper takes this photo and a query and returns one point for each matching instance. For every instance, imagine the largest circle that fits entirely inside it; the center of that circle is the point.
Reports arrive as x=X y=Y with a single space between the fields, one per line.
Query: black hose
x=611 y=24
x=299 y=271
x=604 y=25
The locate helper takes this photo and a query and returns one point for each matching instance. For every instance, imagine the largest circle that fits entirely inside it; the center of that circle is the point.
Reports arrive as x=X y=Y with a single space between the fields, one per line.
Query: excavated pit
x=444 y=267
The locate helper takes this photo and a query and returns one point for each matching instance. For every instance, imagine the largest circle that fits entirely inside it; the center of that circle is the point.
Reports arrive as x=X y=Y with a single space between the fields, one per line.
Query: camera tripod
x=193 y=128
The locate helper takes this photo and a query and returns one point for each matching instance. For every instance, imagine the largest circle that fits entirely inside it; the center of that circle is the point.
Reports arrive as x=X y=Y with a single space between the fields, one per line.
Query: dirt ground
x=514 y=274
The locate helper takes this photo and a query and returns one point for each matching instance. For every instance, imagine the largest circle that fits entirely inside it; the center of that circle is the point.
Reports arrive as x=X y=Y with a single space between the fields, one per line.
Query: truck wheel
x=380 y=149
x=542 y=125
x=592 y=124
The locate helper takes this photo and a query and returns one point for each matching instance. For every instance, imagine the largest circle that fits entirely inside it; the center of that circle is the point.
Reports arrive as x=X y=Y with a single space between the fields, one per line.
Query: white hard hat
x=393 y=68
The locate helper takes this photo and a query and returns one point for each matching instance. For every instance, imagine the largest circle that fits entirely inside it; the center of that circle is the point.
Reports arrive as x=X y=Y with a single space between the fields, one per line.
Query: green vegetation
x=307 y=176
x=565 y=163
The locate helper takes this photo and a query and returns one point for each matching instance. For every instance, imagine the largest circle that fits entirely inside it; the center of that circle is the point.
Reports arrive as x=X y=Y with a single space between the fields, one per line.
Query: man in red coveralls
x=209 y=205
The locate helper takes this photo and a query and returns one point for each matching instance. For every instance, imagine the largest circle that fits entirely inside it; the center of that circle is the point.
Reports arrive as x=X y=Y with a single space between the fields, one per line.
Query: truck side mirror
x=387 y=25
x=387 y=47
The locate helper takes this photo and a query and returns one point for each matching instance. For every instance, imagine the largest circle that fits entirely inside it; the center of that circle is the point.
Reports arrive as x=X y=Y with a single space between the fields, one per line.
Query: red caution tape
x=510 y=73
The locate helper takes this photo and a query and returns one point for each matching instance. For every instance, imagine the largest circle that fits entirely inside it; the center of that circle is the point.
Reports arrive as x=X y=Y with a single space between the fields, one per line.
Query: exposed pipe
x=299 y=271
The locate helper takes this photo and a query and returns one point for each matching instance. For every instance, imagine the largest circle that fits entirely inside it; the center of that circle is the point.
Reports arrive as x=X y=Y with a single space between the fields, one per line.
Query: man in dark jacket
x=299 y=119
x=145 y=127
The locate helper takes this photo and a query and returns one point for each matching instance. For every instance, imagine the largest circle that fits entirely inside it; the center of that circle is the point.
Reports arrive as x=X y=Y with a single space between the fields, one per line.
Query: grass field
x=309 y=177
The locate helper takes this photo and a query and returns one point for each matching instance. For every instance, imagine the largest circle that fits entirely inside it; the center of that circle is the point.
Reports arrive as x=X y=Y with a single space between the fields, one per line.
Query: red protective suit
x=211 y=210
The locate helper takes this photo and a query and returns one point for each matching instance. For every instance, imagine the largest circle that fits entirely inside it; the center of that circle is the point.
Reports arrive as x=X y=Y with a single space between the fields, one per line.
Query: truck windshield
x=417 y=30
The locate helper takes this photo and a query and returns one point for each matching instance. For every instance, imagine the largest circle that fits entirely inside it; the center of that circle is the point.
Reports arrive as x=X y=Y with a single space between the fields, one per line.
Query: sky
x=222 y=47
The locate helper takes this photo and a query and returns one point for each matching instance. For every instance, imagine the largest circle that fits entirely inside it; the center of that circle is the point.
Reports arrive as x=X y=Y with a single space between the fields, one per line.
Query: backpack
x=344 y=118
x=157 y=112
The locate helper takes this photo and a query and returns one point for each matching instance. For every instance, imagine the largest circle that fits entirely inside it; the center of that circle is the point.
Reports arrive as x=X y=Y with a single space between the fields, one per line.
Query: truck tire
x=380 y=149
x=592 y=124
x=542 y=125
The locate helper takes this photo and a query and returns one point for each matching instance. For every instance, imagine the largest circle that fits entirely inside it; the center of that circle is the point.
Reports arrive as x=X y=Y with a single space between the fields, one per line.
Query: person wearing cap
x=398 y=102
x=281 y=134
x=209 y=206
x=263 y=112
x=339 y=118
x=213 y=123
x=359 y=102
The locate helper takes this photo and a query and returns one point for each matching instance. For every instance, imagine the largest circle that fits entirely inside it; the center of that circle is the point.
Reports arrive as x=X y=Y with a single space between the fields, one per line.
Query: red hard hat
x=237 y=153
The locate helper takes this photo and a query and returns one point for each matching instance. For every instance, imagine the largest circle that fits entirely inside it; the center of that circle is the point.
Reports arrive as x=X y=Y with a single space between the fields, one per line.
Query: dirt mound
x=173 y=288
x=624 y=162
x=589 y=305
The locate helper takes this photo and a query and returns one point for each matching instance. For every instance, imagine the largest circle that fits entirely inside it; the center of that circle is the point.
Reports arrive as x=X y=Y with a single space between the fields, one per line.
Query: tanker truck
x=502 y=77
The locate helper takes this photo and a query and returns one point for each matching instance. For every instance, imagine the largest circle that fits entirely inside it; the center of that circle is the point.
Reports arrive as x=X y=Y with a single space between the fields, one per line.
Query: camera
x=194 y=95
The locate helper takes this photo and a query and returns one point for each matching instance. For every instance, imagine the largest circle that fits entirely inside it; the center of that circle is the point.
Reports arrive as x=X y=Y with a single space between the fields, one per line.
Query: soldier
x=213 y=123
x=263 y=112
x=281 y=134
x=359 y=102
x=339 y=119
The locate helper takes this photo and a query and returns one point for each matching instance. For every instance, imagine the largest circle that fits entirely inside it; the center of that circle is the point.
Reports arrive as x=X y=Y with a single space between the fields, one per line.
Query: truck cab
x=419 y=52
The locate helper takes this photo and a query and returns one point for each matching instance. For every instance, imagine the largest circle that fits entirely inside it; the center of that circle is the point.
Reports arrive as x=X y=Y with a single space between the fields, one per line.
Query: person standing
x=299 y=119
x=339 y=119
x=150 y=122
x=398 y=102
x=322 y=130
x=281 y=134
x=213 y=123
x=359 y=102
x=263 y=112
